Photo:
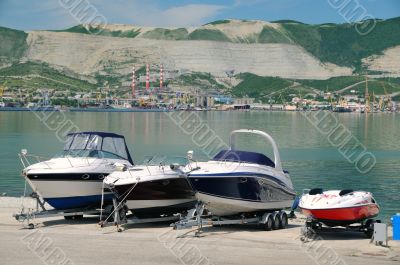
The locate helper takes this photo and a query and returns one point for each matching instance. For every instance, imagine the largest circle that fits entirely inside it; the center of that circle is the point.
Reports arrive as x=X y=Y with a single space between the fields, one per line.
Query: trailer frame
x=121 y=218
x=269 y=220
x=27 y=215
x=312 y=226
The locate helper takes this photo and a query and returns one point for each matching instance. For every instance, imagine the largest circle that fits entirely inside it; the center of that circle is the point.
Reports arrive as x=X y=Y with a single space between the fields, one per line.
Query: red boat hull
x=347 y=215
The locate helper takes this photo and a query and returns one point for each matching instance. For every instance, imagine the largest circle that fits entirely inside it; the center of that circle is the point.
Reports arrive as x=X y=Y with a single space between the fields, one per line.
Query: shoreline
x=139 y=110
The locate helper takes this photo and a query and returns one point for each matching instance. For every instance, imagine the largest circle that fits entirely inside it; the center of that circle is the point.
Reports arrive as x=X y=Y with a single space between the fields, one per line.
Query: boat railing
x=30 y=159
x=165 y=160
x=27 y=159
x=174 y=162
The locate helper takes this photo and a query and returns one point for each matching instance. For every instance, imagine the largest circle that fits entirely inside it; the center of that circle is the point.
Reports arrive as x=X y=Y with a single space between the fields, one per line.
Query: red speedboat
x=339 y=208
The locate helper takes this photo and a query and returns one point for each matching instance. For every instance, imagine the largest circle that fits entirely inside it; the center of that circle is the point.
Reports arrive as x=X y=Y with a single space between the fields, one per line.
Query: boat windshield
x=244 y=157
x=97 y=145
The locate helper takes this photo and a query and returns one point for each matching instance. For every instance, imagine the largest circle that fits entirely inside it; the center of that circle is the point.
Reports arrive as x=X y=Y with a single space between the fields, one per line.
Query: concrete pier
x=57 y=241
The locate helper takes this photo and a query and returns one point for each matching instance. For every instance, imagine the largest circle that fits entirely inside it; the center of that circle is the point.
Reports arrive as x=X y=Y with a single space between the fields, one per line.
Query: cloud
x=50 y=14
x=150 y=13
x=34 y=15
x=193 y=14
x=247 y=2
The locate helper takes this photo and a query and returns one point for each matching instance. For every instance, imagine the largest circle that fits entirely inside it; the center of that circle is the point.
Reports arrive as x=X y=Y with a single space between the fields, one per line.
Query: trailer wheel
x=306 y=232
x=277 y=222
x=73 y=217
x=123 y=213
x=78 y=217
x=369 y=228
x=316 y=226
x=269 y=223
x=31 y=226
x=283 y=220
x=369 y=233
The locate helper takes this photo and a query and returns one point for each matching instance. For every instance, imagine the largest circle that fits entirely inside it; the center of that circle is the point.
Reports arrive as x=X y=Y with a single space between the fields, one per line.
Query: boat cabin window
x=114 y=146
x=94 y=145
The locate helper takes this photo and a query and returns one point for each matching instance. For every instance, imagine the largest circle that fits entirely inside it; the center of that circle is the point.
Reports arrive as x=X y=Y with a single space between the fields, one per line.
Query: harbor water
x=307 y=153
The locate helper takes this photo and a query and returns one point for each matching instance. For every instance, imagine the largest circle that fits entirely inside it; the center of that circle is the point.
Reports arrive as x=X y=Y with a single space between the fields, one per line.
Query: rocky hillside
x=90 y=54
x=335 y=43
x=284 y=49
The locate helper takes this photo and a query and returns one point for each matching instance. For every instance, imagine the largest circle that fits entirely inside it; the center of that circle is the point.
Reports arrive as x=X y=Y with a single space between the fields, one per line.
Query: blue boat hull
x=88 y=202
x=245 y=187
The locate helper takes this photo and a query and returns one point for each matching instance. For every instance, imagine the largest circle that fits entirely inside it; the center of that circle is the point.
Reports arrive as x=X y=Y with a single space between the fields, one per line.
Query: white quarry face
x=215 y=57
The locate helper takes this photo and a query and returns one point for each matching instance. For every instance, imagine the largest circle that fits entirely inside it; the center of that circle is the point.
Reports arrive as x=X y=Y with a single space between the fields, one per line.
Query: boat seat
x=316 y=191
x=243 y=156
x=344 y=192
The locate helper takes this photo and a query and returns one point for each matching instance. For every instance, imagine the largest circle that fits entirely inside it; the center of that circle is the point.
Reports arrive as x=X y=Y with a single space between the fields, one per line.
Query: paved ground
x=56 y=241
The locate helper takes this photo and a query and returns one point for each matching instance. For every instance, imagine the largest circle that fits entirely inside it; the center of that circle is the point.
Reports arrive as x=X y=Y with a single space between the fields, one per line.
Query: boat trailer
x=27 y=215
x=271 y=220
x=313 y=226
x=120 y=217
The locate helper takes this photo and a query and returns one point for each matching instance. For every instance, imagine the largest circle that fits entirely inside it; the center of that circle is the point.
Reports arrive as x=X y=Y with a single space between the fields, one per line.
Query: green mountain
x=13 y=44
x=259 y=87
x=277 y=89
x=167 y=34
x=341 y=44
x=35 y=75
x=88 y=29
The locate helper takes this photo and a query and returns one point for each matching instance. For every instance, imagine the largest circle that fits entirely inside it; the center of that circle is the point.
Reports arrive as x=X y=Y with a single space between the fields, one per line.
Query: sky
x=60 y=14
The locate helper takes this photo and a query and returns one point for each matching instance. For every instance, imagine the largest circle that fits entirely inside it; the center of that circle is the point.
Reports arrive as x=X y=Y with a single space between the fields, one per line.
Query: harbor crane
x=387 y=99
x=2 y=88
x=367 y=102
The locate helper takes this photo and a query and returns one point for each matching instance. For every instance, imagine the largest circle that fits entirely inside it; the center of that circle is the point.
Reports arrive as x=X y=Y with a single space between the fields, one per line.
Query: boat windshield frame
x=266 y=136
x=96 y=145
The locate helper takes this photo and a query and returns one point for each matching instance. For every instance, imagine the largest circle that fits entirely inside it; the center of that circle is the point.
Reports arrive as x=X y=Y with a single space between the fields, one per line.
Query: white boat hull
x=51 y=189
x=64 y=186
x=224 y=207
x=73 y=194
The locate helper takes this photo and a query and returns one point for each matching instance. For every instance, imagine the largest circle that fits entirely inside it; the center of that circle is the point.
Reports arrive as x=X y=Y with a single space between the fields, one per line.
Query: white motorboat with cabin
x=74 y=178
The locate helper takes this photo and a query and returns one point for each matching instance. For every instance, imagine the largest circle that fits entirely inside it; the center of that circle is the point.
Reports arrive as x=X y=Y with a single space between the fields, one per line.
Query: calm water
x=305 y=152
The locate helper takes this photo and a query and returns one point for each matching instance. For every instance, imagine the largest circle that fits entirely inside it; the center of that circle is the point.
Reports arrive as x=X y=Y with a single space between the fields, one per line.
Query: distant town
x=141 y=94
